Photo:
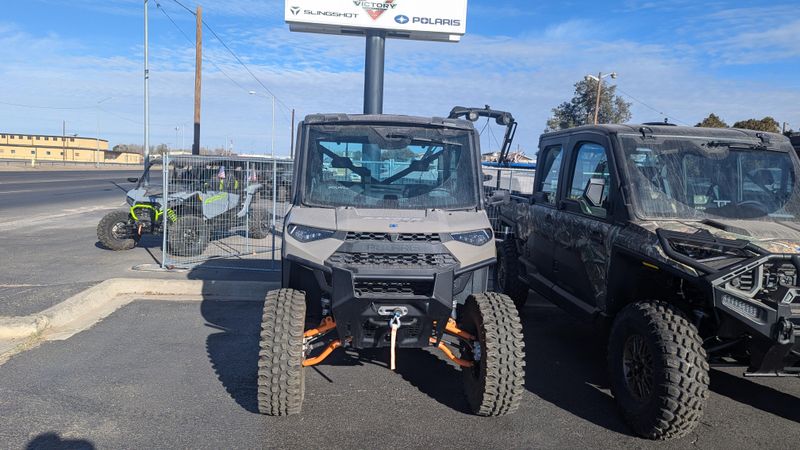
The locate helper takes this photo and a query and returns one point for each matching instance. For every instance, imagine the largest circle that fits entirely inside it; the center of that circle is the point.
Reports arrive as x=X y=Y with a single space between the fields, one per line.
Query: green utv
x=683 y=242
x=202 y=198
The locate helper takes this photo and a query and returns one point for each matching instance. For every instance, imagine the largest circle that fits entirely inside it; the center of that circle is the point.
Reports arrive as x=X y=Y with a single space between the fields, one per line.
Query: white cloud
x=527 y=75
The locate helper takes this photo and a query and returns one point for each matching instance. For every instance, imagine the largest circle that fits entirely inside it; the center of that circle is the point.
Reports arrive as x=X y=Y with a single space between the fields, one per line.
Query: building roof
x=3 y=133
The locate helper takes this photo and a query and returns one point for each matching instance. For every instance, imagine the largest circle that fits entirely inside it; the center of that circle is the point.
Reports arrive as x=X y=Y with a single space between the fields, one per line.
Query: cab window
x=551 y=168
x=591 y=166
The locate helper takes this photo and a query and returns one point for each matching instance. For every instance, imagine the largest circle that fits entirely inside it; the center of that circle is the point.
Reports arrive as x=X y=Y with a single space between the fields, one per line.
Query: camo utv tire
x=495 y=384
x=114 y=231
x=658 y=370
x=188 y=236
x=508 y=272
x=281 y=376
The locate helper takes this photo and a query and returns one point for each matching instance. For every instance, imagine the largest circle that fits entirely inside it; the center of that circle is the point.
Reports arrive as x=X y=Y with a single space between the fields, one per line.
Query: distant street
x=47 y=235
x=25 y=189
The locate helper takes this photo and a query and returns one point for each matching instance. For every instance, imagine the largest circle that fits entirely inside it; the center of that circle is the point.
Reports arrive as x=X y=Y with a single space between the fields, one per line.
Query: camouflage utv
x=684 y=241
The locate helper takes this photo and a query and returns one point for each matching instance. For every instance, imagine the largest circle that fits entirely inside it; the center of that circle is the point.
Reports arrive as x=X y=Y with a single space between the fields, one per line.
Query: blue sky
x=681 y=59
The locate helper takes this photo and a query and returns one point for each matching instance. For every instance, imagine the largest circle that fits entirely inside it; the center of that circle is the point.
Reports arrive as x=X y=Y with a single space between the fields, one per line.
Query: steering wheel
x=753 y=204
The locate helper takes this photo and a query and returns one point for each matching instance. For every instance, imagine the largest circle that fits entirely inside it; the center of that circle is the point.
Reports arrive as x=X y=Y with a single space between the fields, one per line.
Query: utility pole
x=599 y=91
x=198 y=73
x=146 y=94
x=783 y=129
x=291 y=138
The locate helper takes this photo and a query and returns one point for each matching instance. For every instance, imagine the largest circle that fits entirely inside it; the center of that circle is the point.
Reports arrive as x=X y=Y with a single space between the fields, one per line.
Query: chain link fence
x=223 y=207
x=517 y=181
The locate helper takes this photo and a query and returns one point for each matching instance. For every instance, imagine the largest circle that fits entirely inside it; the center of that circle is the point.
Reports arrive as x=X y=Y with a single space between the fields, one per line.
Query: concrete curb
x=99 y=301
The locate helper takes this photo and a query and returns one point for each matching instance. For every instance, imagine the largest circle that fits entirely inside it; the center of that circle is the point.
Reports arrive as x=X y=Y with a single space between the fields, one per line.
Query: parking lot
x=182 y=373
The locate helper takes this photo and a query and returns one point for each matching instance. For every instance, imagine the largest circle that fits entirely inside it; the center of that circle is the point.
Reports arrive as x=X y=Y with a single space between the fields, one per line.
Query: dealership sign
x=429 y=20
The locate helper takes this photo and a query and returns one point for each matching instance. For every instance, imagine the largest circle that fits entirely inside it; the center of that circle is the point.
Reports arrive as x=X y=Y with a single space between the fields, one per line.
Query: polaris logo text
x=432 y=21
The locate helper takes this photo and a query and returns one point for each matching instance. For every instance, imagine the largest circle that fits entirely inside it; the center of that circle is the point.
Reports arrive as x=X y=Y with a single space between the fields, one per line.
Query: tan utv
x=388 y=244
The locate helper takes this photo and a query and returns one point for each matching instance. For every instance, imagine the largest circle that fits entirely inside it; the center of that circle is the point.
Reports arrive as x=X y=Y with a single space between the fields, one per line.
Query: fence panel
x=224 y=207
x=518 y=182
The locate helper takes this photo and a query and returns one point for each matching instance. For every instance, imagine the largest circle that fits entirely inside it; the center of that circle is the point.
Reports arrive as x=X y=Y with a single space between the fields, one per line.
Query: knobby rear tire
x=106 y=235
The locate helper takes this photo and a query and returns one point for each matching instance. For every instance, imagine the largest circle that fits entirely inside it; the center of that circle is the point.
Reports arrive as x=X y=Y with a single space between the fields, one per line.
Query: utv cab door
x=540 y=243
x=584 y=224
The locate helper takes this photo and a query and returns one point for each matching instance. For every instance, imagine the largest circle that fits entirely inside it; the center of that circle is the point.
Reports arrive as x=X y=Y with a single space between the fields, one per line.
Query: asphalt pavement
x=183 y=374
x=48 y=240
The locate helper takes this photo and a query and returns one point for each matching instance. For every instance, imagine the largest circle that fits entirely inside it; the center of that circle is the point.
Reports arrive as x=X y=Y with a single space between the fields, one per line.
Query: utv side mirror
x=133 y=179
x=487 y=177
x=500 y=197
x=594 y=192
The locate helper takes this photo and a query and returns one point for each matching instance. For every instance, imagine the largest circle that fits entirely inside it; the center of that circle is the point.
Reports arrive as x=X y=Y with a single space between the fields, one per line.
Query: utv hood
x=772 y=237
x=409 y=221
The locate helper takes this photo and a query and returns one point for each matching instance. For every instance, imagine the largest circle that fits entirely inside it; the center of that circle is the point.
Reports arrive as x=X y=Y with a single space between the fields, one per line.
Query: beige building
x=59 y=148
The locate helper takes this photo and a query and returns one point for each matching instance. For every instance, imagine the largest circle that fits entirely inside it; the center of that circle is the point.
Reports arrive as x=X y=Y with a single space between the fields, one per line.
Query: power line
x=47 y=107
x=239 y=60
x=205 y=57
x=651 y=108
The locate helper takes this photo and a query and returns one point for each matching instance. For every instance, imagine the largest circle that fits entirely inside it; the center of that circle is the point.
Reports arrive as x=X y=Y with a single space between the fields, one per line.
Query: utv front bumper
x=365 y=289
x=763 y=297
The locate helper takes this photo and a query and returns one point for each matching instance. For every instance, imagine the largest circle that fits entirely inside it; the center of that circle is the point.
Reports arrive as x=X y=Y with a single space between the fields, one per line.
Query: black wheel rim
x=120 y=231
x=191 y=237
x=637 y=366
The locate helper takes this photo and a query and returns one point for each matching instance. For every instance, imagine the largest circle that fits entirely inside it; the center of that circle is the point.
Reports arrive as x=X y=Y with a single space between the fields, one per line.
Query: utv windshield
x=687 y=178
x=390 y=167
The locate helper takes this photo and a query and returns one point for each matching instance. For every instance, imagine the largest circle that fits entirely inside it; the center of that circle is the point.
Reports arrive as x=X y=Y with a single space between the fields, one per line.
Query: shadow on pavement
x=52 y=441
x=233 y=349
x=755 y=395
x=565 y=365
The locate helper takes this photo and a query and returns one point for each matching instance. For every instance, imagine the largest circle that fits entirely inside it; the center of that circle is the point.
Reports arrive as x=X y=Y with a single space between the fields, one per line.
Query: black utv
x=685 y=242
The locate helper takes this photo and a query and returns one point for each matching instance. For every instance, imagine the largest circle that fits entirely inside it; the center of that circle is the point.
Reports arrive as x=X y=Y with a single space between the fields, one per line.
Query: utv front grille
x=393 y=237
x=393 y=260
x=745 y=282
x=398 y=288
x=778 y=274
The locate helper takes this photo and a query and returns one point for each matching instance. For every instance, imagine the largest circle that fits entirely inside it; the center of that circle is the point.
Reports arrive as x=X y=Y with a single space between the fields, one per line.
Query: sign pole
x=373 y=72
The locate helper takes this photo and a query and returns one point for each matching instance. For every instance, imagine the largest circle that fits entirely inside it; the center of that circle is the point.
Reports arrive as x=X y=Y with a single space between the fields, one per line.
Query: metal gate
x=223 y=207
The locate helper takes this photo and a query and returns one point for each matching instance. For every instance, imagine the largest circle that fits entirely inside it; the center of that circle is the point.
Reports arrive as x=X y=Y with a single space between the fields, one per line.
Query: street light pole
x=597 y=101
x=599 y=79
x=97 y=138
x=146 y=95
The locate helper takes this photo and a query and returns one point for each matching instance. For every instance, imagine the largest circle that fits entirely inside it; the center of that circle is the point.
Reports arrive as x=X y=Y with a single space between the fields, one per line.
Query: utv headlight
x=308 y=234
x=477 y=238
x=744 y=308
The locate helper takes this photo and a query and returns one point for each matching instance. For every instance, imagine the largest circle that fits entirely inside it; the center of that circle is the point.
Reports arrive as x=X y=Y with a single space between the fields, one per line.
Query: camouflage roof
x=671 y=130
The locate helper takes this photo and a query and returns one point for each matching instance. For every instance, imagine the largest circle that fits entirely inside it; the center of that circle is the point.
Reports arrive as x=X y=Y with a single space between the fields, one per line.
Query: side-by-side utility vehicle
x=388 y=245
x=203 y=197
x=684 y=241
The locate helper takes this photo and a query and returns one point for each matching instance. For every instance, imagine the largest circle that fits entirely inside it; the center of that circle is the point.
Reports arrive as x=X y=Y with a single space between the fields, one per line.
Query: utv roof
x=674 y=131
x=386 y=119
